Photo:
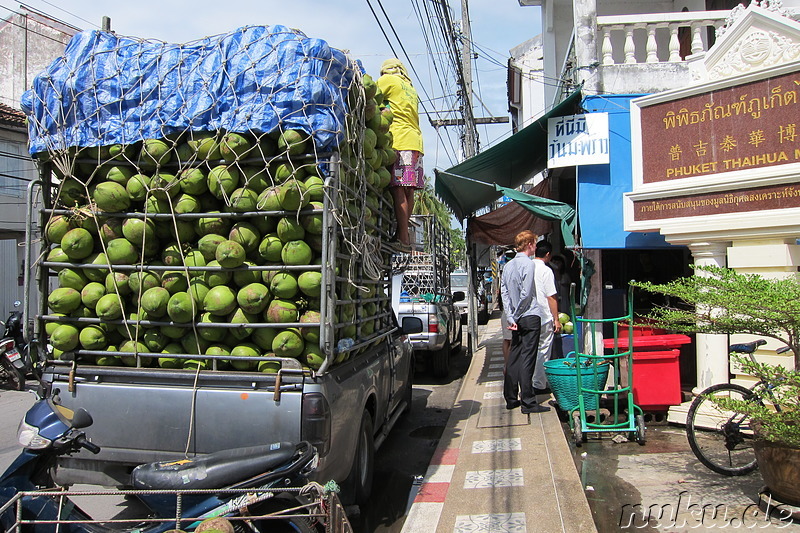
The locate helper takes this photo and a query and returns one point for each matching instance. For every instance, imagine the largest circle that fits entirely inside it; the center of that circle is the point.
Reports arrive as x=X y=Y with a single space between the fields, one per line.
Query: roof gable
x=759 y=39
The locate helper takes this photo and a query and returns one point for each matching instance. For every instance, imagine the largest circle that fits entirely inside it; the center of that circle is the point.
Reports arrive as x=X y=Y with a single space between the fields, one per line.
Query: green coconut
x=91 y=293
x=223 y=180
x=64 y=300
x=73 y=278
x=230 y=254
x=281 y=311
x=77 y=243
x=56 y=228
x=220 y=300
x=288 y=343
x=270 y=247
x=310 y=333
x=245 y=349
x=296 y=253
x=134 y=347
x=283 y=285
x=212 y=224
x=137 y=187
x=268 y=200
x=263 y=337
x=111 y=197
x=293 y=141
x=92 y=337
x=109 y=307
x=215 y=278
x=243 y=200
x=121 y=252
x=310 y=283
x=96 y=274
x=207 y=244
x=211 y=334
x=154 y=301
x=246 y=275
x=253 y=298
x=245 y=234
x=234 y=146
x=117 y=282
x=240 y=316
x=174 y=281
x=154 y=153
x=193 y=181
x=66 y=337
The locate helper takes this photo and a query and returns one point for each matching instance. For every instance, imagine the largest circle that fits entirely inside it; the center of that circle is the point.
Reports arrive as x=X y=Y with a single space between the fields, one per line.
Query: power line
x=29 y=30
x=69 y=13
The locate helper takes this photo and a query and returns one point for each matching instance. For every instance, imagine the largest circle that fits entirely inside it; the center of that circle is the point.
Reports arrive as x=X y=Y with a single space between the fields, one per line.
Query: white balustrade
x=655 y=37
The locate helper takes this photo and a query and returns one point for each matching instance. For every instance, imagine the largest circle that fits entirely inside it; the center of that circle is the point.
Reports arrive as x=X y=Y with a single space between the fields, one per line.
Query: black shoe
x=513 y=405
x=545 y=390
x=535 y=409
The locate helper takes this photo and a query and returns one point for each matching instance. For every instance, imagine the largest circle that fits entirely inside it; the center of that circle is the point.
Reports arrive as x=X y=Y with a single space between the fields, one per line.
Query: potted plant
x=722 y=301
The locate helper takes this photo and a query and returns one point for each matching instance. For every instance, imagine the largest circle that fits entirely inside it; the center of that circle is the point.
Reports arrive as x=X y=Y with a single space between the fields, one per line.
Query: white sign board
x=577 y=140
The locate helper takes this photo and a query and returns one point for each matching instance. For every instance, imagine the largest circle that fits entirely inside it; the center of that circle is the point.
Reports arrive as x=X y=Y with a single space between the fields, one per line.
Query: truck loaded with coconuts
x=215 y=262
x=424 y=294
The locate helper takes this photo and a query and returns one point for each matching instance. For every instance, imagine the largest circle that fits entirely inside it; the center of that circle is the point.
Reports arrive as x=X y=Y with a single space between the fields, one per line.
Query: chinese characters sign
x=577 y=140
x=746 y=126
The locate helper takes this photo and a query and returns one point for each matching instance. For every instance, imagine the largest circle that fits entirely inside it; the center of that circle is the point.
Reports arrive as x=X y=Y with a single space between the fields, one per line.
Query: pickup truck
x=425 y=294
x=299 y=340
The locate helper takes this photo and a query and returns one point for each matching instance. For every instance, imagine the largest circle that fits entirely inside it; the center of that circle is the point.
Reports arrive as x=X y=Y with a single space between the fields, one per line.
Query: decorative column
x=584 y=13
x=712 y=350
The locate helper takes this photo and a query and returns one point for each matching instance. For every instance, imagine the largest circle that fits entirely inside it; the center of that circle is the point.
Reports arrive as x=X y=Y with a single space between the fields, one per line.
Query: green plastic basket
x=562 y=375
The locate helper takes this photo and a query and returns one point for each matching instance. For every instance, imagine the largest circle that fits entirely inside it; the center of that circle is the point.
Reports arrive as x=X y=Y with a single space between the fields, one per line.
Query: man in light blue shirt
x=518 y=291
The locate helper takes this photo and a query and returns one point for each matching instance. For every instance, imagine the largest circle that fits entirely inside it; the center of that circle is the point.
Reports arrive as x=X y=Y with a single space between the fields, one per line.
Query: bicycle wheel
x=722 y=440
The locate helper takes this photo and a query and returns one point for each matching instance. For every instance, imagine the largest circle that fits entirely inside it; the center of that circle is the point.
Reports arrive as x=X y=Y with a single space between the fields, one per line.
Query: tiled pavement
x=497 y=470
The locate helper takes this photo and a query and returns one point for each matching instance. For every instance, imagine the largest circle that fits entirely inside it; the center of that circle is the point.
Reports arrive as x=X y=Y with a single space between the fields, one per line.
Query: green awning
x=470 y=185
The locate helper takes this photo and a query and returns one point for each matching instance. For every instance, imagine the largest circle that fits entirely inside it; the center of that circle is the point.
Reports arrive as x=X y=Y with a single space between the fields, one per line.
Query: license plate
x=13 y=355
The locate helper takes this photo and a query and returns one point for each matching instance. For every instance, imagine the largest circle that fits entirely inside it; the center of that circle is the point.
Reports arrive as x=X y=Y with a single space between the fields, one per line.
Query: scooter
x=15 y=364
x=255 y=488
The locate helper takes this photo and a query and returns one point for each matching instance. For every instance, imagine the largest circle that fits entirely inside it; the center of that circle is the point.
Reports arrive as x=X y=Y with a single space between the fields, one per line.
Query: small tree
x=720 y=300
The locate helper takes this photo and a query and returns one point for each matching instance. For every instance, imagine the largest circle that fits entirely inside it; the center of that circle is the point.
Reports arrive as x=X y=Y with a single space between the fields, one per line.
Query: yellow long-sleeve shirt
x=404 y=102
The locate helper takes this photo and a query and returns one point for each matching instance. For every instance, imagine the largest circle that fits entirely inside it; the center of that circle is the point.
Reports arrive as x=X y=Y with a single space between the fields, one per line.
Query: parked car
x=459 y=282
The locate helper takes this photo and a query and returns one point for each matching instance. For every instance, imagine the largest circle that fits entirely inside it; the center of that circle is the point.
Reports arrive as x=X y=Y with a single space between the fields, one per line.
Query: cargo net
x=426 y=271
x=200 y=194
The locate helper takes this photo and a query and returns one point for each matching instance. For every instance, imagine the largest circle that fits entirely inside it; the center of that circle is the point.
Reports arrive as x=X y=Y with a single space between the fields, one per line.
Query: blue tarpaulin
x=107 y=89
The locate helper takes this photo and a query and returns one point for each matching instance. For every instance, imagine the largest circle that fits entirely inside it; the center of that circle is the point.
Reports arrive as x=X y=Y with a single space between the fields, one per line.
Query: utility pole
x=469 y=145
x=470 y=141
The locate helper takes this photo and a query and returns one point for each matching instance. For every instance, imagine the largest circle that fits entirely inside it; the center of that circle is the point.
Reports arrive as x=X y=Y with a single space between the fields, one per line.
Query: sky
x=497 y=26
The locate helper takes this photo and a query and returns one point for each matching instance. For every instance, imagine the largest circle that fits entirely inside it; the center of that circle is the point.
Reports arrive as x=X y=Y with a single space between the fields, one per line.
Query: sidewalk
x=499 y=470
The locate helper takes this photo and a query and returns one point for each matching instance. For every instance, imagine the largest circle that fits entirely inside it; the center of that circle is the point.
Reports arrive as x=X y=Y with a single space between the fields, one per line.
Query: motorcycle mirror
x=81 y=419
x=17 y=303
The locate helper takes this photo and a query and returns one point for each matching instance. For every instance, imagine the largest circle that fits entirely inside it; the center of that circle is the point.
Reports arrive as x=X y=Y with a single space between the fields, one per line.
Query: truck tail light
x=316 y=426
x=433 y=324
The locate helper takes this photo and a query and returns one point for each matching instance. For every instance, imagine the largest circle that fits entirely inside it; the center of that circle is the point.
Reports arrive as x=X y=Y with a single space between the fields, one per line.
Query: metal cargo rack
x=344 y=238
x=322 y=509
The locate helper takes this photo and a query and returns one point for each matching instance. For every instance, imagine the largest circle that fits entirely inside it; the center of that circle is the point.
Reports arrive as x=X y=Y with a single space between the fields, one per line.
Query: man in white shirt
x=547 y=309
x=518 y=291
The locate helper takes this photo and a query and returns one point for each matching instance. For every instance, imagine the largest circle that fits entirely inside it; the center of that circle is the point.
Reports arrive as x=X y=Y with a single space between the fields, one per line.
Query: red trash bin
x=656 y=369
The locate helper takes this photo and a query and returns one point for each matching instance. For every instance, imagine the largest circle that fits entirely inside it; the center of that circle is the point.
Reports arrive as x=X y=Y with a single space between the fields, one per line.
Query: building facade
x=631 y=59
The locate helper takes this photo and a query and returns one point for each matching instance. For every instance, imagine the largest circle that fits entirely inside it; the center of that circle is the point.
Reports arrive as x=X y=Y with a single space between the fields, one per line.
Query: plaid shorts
x=407 y=170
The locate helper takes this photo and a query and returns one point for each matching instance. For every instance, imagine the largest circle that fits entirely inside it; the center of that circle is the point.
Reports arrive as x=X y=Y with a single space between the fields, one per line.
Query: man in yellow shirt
x=407 y=174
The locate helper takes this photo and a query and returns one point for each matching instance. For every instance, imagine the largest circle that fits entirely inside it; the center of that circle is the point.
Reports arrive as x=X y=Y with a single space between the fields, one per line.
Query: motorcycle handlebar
x=83 y=443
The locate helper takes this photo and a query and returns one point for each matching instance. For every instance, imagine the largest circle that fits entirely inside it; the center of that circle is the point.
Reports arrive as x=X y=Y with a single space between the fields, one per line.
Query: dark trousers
x=518 y=382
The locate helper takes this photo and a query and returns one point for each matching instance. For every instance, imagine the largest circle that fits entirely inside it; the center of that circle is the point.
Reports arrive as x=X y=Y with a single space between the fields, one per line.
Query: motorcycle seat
x=213 y=471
